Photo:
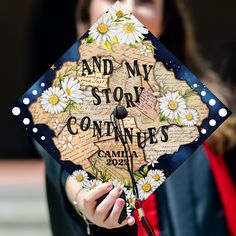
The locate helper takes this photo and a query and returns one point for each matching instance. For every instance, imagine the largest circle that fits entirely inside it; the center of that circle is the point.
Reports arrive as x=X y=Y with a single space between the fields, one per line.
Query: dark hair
x=178 y=37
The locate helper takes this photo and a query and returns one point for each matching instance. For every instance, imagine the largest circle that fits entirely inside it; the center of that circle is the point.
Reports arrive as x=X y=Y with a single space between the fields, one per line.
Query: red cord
x=143 y=218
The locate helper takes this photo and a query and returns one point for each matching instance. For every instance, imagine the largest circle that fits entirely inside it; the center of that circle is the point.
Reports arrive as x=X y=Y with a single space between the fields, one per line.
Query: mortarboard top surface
x=75 y=109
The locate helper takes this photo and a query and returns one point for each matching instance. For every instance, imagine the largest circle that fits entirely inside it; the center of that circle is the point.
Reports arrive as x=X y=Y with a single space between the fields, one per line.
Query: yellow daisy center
x=53 y=100
x=146 y=187
x=156 y=177
x=79 y=178
x=129 y=28
x=102 y=28
x=189 y=117
x=68 y=91
x=131 y=200
x=173 y=105
x=119 y=14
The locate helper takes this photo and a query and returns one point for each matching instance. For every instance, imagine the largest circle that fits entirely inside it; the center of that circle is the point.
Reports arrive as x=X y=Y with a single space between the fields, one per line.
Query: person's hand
x=100 y=214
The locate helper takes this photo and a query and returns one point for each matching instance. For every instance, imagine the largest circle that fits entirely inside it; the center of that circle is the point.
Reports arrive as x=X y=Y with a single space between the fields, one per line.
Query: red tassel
x=143 y=218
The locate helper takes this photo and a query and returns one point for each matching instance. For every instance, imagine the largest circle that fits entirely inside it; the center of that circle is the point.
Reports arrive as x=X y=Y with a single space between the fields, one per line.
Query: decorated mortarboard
x=119 y=107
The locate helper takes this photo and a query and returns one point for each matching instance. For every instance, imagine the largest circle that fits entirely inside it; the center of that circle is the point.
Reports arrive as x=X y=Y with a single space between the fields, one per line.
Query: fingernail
x=109 y=186
x=119 y=189
x=121 y=203
x=131 y=221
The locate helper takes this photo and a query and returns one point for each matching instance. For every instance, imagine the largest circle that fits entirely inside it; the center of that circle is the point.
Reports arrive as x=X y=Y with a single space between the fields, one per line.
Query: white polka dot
x=212 y=102
x=212 y=122
x=196 y=139
x=26 y=101
x=43 y=138
x=16 y=111
x=26 y=121
x=223 y=112
x=203 y=93
x=203 y=131
x=42 y=84
x=35 y=130
x=195 y=85
x=35 y=92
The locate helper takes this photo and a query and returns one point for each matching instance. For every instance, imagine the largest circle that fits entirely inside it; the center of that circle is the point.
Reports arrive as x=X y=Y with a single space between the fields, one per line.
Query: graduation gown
x=188 y=203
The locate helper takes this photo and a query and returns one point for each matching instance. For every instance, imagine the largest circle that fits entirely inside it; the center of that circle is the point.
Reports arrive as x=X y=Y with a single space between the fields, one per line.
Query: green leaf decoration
x=179 y=121
x=145 y=170
x=56 y=83
x=68 y=107
x=163 y=117
x=68 y=73
x=90 y=39
x=132 y=45
x=138 y=175
x=127 y=182
x=108 y=46
x=75 y=107
x=60 y=76
x=150 y=46
x=94 y=164
x=104 y=176
x=94 y=168
x=114 y=40
x=118 y=21
x=152 y=50
x=189 y=93
x=142 y=173
x=127 y=18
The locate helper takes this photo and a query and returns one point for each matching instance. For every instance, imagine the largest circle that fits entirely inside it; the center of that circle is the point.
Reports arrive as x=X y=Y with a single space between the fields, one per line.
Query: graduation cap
x=119 y=107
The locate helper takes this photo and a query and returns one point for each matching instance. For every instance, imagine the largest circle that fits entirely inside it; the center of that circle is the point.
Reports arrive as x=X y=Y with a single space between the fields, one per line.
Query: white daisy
x=190 y=117
x=103 y=30
x=152 y=160
x=128 y=209
x=118 y=11
x=130 y=198
x=91 y=184
x=53 y=100
x=80 y=175
x=145 y=51
x=157 y=175
x=172 y=105
x=72 y=90
x=66 y=142
x=57 y=125
x=146 y=186
x=131 y=31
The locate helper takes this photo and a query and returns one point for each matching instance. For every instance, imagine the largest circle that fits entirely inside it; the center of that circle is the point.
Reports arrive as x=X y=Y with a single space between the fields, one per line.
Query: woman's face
x=149 y=12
